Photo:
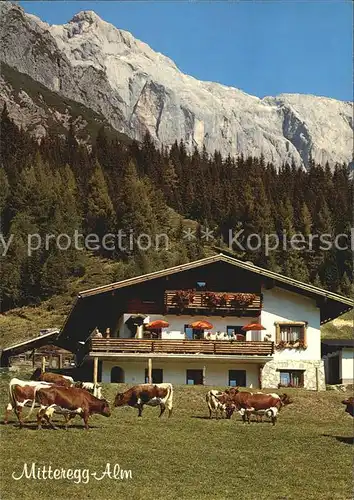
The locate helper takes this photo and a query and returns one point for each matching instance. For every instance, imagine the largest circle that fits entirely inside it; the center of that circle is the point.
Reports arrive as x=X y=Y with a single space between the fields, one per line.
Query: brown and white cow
x=349 y=402
x=21 y=393
x=147 y=394
x=53 y=378
x=258 y=403
x=68 y=401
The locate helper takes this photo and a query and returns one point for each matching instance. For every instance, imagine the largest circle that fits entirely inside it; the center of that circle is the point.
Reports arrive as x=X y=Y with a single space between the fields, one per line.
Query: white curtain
x=256 y=335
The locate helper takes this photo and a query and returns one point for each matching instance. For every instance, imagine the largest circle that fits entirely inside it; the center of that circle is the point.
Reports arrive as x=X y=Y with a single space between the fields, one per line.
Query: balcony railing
x=222 y=302
x=250 y=348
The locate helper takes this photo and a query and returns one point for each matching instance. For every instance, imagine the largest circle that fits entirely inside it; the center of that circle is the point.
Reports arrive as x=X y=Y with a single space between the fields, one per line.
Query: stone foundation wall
x=271 y=375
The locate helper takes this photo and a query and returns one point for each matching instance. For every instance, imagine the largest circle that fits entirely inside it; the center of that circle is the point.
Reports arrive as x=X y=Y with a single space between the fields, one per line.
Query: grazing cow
x=68 y=401
x=94 y=389
x=21 y=393
x=215 y=403
x=248 y=403
x=349 y=402
x=53 y=378
x=149 y=394
x=270 y=412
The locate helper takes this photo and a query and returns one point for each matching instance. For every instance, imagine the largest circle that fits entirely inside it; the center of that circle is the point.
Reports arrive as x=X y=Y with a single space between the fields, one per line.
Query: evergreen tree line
x=60 y=186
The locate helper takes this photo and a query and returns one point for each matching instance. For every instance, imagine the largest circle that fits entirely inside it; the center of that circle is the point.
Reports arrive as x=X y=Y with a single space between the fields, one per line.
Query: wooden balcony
x=218 y=347
x=200 y=303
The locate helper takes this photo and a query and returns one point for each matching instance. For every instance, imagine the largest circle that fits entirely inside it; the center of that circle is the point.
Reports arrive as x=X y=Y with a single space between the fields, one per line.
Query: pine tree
x=4 y=190
x=140 y=207
x=293 y=248
x=330 y=275
x=14 y=275
x=346 y=286
x=170 y=186
x=53 y=275
x=100 y=218
x=306 y=221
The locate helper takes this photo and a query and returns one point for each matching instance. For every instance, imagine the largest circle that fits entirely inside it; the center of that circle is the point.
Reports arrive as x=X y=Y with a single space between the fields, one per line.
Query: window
x=192 y=333
x=237 y=330
x=237 y=378
x=291 y=378
x=188 y=331
x=157 y=376
x=194 y=377
x=290 y=332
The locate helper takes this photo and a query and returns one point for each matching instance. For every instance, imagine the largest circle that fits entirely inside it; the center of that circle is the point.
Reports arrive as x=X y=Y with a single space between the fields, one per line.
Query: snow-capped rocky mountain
x=136 y=89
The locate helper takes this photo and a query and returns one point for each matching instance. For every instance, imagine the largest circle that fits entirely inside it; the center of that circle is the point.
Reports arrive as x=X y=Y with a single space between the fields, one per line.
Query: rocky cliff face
x=137 y=89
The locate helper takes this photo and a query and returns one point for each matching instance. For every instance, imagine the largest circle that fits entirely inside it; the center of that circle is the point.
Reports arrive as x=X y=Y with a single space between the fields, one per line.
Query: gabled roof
x=84 y=315
x=334 y=345
x=220 y=258
x=27 y=345
x=338 y=342
x=33 y=342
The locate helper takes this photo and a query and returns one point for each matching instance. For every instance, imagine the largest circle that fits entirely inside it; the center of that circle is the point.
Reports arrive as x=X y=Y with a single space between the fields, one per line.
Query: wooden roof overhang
x=28 y=345
x=334 y=345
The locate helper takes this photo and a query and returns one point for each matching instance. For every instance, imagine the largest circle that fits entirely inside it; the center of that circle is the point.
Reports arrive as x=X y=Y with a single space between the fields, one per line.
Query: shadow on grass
x=33 y=426
x=253 y=422
x=341 y=439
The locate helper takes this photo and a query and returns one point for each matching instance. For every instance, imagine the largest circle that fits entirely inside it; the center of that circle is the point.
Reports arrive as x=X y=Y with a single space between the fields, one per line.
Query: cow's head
x=229 y=409
x=349 y=402
x=119 y=399
x=285 y=399
x=105 y=409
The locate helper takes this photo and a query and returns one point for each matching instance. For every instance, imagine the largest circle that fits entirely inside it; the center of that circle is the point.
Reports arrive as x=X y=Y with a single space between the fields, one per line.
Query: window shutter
x=277 y=333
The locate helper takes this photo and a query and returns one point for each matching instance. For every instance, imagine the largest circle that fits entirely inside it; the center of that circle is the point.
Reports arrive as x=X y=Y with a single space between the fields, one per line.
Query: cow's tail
x=12 y=397
x=33 y=403
x=169 y=397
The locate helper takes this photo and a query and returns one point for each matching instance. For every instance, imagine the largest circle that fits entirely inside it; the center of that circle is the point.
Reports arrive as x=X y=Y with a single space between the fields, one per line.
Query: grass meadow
x=308 y=454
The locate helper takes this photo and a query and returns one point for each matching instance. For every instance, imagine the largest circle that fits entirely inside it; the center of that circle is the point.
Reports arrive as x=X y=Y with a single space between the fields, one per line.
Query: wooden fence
x=182 y=346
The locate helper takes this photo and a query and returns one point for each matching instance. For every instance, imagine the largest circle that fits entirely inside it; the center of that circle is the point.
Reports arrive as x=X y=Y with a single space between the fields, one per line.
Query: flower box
x=242 y=299
x=293 y=344
x=183 y=298
x=211 y=300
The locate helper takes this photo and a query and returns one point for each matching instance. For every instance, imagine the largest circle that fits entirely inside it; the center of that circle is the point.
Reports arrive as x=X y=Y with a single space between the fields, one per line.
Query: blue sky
x=263 y=48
